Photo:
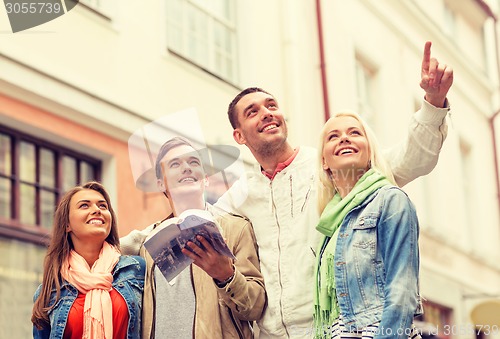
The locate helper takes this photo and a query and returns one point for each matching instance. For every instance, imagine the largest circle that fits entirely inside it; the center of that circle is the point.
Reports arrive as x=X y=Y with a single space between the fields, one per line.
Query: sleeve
x=132 y=242
x=142 y=266
x=43 y=333
x=245 y=294
x=234 y=197
x=397 y=234
x=37 y=292
x=418 y=154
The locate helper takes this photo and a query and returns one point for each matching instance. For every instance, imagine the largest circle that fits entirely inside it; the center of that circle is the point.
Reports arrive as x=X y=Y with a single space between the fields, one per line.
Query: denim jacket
x=377 y=264
x=128 y=280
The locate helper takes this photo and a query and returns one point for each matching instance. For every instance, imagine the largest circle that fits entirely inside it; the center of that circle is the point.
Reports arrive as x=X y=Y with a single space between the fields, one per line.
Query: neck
x=180 y=205
x=270 y=160
x=89 y=251
x=344 y=180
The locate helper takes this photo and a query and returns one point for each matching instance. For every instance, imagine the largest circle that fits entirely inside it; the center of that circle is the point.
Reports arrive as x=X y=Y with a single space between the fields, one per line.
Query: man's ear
x=206 y=180
x=238 y=136
x=160 y=185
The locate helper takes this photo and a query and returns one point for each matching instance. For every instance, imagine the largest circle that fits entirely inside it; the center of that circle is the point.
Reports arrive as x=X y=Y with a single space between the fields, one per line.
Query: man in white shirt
x=280 y=196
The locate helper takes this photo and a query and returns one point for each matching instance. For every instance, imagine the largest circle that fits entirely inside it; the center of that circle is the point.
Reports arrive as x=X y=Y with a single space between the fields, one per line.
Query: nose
x=186 y=167
x=266 y=113
x=96 y=209
x=344 y=138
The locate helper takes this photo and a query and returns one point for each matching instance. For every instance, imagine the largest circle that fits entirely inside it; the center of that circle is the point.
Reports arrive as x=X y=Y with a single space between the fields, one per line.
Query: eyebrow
x=348 y=130
x=86 y=200
x=248 y=107
x=191 y=157
x=255 y=103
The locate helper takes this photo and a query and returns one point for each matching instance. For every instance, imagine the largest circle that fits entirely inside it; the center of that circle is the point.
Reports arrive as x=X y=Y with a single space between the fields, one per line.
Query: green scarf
x=326 y=308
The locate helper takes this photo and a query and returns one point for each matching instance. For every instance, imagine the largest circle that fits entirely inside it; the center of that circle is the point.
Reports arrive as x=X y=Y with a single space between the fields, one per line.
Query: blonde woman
x=368 y=259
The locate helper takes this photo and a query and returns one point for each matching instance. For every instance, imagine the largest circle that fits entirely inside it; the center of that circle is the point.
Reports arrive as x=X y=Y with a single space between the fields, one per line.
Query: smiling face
x=182 y=172
x=89 y=218
x=261 y=125
x=345 y=147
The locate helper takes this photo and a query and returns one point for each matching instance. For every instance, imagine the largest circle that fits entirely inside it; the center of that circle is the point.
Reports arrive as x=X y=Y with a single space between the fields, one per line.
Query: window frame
x=212 y=18
x=13 y=227
x=100 y=10
x=444 y=313
x=366 y=78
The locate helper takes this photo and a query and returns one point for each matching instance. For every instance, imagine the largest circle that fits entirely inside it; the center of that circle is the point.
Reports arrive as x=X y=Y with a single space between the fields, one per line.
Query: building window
x=438 y=317
x=468 y=176
x=204 y=33
x=33 y=176
x=102 y=7
x=91 y=3
x=95 y=4
x=364 y=87
x=449 y=22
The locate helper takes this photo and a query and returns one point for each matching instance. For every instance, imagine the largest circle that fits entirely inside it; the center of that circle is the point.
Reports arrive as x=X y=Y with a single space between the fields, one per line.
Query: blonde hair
x=326 y=187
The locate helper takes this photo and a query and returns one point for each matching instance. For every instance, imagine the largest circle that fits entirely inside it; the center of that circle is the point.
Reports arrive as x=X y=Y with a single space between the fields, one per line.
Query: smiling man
x=264 y=130
x=279 y=195
x=215 y=297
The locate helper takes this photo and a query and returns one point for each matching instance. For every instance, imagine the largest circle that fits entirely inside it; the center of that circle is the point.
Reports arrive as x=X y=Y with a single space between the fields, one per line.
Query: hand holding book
x=167 y=244
x=217 y=265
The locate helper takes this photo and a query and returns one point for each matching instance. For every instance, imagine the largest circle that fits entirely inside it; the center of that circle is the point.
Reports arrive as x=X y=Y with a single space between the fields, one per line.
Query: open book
x=165 y=243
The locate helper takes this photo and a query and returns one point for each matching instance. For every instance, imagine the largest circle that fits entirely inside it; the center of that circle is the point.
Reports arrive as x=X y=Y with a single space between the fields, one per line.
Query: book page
x=170 y=237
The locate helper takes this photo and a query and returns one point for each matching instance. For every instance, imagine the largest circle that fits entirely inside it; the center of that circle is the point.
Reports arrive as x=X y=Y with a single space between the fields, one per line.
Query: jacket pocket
x=364 y=234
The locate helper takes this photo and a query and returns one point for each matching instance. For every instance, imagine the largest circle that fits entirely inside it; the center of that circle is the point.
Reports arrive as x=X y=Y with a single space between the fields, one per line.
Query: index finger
x=427 y=56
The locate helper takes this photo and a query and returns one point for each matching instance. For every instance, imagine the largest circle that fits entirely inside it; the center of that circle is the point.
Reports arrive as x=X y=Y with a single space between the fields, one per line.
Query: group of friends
x=326 y=243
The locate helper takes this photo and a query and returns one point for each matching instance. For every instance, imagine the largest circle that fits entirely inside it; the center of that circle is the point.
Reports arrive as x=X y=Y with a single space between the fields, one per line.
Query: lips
x=346 y=150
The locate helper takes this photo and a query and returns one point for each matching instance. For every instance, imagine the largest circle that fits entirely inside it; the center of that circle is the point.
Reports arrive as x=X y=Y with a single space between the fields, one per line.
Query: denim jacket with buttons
x=377 y=264
x=128 y=280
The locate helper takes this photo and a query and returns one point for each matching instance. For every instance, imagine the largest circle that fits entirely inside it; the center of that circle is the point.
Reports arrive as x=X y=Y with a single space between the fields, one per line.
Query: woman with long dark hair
x=89 y=290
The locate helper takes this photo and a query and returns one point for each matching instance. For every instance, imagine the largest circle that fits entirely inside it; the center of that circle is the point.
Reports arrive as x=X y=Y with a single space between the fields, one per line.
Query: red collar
x=282 y=165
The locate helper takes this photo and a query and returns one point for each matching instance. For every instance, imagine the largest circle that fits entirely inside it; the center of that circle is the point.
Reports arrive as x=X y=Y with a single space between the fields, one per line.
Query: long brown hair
x=59 y=249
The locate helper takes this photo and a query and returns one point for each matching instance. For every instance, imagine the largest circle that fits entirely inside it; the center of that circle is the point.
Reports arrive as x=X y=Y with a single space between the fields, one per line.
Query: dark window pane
x=32 y=175
x=5 y=198
x=47 y=168
x=47 y=207
x=27 y=162
x=86 y=172
x=69 y=173
x=5 y=155
x=27 y=202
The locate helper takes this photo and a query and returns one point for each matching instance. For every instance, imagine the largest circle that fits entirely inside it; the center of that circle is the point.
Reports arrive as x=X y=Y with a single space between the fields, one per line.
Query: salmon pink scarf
x=95 y=282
